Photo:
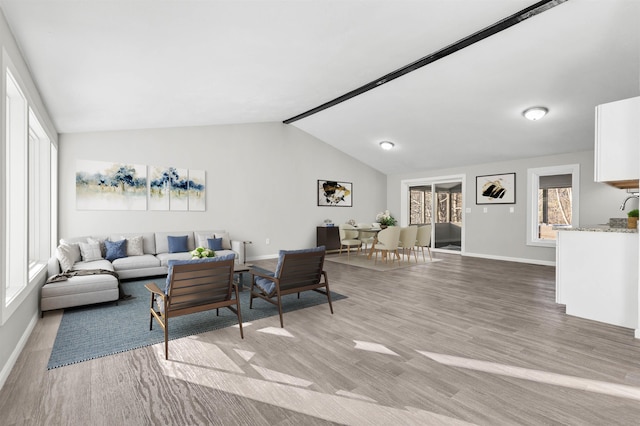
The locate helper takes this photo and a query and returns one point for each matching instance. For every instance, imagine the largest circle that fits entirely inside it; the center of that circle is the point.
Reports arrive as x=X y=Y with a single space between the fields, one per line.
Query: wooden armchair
x=297 y=271
x=194 y=286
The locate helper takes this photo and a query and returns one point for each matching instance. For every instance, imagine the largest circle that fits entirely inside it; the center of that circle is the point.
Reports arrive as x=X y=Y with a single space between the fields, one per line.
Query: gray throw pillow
x=90 y=251
x=134 y=245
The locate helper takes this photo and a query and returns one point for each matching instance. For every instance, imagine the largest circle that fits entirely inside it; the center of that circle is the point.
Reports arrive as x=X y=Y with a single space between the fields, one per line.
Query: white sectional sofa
x=103 y=287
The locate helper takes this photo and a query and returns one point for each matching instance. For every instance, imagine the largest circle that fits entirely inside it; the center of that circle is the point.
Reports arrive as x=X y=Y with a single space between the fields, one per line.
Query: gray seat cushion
x=166 y=257
x=80 y=284
x=136 y=262
x=94 y=264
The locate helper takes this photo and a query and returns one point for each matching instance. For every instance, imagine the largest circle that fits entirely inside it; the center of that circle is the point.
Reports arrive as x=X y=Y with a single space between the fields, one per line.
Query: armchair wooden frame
x=299 y=272
x=194 y=288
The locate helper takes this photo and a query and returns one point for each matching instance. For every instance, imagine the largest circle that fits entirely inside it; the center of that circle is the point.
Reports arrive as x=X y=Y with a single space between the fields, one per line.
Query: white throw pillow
x=226 y=242
x=103 y=248
x=135 y=245
x=201 y=239
x=68 y=255
x=90 y=251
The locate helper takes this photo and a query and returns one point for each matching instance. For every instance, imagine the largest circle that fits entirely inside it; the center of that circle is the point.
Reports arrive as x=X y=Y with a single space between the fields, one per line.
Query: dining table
x=373 y=230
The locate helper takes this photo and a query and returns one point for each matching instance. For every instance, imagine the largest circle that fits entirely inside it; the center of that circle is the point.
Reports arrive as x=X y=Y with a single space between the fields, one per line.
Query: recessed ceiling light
x=535 y=113
x=386 y=145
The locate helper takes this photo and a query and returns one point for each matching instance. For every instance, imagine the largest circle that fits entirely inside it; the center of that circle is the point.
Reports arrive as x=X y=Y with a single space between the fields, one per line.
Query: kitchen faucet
x=624 y=203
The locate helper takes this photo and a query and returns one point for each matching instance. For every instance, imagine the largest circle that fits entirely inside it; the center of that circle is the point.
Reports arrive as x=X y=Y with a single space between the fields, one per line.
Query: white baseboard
x=512 y=259
x=6 y=370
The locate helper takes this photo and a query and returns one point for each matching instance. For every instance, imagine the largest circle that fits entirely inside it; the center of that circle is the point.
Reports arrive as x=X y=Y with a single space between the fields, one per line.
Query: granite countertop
x=597 y=228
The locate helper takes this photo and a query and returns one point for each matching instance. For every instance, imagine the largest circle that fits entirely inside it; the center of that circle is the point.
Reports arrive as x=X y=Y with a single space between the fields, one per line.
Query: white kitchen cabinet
x=617 y=143
x=597 y=275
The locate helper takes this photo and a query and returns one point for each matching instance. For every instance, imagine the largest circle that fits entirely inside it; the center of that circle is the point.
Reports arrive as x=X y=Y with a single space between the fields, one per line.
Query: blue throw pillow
x=173 y=262
x=115 y=250
x=215 y=243
x=177 y=244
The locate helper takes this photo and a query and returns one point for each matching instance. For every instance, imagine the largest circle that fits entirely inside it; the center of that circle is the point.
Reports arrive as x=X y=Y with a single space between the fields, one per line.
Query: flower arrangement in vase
x=201 y=253
x=385 y=219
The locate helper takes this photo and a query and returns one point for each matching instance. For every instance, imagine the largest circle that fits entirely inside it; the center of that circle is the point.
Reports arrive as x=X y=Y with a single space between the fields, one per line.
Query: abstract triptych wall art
x=110 y=186
x=196 y=190
x=114 y=186
x=173 y=188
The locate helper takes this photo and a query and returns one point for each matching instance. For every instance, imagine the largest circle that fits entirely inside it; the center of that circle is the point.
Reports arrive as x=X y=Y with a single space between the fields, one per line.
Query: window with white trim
x=552 y=194
x=39 y=194
x=30 y=165
x=16 y=167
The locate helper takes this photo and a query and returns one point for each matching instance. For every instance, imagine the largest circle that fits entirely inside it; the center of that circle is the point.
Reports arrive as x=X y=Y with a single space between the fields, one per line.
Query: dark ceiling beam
x=499 y=26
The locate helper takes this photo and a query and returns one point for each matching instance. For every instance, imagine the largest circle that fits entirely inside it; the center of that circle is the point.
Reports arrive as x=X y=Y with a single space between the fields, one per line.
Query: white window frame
x=23 y=272
x=16 y=190
x=39 y=196
x=533 y=186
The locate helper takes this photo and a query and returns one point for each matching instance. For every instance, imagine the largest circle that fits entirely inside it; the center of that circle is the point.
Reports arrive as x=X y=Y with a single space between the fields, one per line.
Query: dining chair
x=349 y=238
x=388 y=240
x=408 y=235
x=367 y=237
x=423 y=240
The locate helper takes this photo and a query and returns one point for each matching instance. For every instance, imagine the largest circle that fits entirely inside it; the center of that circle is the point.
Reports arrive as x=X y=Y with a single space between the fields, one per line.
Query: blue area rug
x=99 y=330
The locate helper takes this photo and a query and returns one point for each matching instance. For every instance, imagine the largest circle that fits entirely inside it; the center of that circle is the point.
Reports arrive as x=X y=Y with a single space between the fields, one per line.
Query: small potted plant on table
x=632 y=220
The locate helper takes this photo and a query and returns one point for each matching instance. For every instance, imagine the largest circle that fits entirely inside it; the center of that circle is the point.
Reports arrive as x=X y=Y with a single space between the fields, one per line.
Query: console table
x=328 y=236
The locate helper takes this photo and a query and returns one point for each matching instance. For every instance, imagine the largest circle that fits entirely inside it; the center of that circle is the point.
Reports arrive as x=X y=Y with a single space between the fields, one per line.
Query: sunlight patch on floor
x=332 y=408
x=354 y=395
x=276 y=376
x=276 y=331
x=374 y=347
x=246 y=355
x=588 y=385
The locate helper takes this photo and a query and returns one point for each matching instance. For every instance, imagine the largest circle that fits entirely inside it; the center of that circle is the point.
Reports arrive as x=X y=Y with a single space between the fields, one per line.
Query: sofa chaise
x=81 y=272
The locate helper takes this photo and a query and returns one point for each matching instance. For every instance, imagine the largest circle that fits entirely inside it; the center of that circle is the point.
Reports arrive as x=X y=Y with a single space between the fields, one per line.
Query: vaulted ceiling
x=122 y=64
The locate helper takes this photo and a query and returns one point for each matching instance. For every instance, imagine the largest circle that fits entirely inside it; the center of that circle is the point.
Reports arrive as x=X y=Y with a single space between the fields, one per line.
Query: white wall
x=500 y=234
x=261 y=182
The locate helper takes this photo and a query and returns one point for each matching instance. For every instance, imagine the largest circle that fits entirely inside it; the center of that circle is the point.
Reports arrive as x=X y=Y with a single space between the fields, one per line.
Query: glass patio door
x=440 y=205
x=448 y=218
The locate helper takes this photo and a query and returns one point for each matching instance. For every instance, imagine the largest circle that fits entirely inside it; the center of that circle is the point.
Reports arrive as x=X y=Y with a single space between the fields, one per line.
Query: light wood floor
x=461 y=340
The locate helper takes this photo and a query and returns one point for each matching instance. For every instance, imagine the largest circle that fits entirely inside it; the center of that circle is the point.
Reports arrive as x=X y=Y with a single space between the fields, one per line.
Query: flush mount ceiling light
x=386 y=145
x=535 y=113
